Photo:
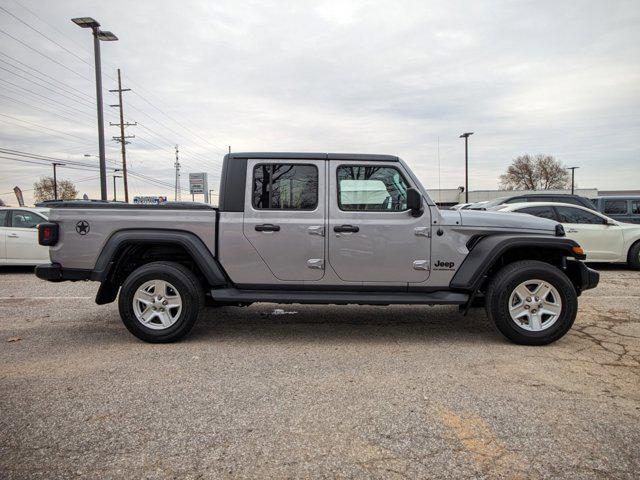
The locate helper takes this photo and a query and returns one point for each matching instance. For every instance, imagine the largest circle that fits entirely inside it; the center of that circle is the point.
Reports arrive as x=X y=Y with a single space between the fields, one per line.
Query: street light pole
x=55 y=180
x=98 y=35
x=103 y=162
x=466 y=165
x=573 y=171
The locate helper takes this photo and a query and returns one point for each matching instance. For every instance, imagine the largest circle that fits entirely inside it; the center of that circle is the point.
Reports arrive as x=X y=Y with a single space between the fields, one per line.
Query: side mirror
x=414 y=202
x=608 y=221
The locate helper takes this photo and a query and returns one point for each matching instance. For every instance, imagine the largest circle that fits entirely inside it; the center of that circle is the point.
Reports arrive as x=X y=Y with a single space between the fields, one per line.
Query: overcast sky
x=560 y=78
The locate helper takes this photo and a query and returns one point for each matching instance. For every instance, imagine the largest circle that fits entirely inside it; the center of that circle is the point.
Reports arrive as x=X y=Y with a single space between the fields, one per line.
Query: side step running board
x=339 y=298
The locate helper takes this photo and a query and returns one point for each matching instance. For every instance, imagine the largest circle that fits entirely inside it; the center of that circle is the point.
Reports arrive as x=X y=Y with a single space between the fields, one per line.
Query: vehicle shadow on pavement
x=320 y=324
x=21 y=270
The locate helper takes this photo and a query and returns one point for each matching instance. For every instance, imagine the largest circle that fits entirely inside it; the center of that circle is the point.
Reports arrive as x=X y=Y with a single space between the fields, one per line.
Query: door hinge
x=421 y=265
x=316 y=263
x=316 y=230
x=422 y=231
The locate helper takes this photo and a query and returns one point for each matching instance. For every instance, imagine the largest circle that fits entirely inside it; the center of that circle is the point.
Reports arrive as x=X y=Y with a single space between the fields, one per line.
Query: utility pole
x=177 y=195
x=466 y=165
x=229 y=148
x=55 y=180
x=122 y=138
x=573 y=171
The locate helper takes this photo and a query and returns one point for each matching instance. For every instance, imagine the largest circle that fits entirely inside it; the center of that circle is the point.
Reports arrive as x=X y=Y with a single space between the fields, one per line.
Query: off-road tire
x=505 y=281
x=188 y=287
x=633 y=257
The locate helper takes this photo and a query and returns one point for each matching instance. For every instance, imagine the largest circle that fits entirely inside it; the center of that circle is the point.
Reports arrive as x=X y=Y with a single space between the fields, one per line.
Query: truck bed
x=86 y=226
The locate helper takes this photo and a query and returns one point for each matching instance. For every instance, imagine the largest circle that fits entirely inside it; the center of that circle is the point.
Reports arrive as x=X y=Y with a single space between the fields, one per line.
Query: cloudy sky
x=560 y=78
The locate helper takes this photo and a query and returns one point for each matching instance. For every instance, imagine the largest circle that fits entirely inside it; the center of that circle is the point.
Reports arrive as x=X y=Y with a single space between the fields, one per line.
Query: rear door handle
x=13 y=235
x=572 y=230
x=267 y=227
x=346 y=229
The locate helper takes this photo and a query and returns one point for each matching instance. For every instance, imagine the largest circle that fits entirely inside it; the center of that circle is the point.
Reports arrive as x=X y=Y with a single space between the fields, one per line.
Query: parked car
x=19 y=236
x=535 y=197
x=460 y=206
x=621 y=208
x=317 y=228
x=603 y=239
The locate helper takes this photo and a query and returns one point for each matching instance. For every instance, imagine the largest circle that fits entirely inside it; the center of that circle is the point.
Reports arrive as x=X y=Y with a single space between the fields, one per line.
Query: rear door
x=601 y=242
x=284 y=216
x=22 y=239
x=616 y=209
x=372 y=235
x=4 y=217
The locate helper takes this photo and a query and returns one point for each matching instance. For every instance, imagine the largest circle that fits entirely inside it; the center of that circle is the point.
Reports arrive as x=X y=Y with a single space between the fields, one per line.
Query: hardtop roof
x=315 y=156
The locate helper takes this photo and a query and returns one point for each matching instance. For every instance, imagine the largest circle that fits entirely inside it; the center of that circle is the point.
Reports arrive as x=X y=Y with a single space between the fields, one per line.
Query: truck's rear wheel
x=160 y=302
x=532 y=302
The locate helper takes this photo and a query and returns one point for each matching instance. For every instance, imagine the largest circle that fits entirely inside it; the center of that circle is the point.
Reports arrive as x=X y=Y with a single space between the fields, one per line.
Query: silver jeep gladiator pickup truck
x=317 y=228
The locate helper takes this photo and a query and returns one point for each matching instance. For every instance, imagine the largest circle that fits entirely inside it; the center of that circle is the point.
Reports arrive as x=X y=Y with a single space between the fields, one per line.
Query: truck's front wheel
x=160 y=302
x=531 y=302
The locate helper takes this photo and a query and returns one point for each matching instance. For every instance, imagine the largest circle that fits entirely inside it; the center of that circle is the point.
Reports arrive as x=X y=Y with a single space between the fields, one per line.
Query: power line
x=80 y=92
x=45 y=55
x=42 y=126
x=44 y=97
x=43 y=35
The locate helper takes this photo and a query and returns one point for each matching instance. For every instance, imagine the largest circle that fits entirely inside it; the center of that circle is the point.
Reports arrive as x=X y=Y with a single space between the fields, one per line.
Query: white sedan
x=602 y=238
x=19 y=236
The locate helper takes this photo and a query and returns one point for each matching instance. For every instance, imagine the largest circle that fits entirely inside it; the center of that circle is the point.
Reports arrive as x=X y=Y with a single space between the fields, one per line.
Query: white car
x=19 y=236
x=602 y=238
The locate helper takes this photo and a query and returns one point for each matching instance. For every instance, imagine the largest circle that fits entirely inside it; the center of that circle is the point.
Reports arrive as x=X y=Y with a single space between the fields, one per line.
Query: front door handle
x=267 y=227
x=572 y=230
x=346 y=229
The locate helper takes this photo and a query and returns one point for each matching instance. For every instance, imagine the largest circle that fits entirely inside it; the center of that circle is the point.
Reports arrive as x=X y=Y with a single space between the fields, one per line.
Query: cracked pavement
x=327 y=391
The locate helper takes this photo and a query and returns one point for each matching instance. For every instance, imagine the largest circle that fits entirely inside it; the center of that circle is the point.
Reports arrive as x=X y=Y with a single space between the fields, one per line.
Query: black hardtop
x=314 y=156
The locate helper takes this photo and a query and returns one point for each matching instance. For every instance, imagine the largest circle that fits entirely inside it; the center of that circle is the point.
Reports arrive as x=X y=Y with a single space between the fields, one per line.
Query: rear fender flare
x=194 y=246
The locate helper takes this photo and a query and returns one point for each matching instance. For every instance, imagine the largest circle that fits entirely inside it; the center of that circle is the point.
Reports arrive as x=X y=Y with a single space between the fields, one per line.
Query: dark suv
x=537 y=197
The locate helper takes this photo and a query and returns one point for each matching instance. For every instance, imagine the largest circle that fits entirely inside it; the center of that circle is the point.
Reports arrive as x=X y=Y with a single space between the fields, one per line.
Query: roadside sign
x=198 y=184
x=149 y=200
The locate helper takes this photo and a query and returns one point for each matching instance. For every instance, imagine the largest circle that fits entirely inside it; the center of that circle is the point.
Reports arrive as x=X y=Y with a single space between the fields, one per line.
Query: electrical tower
x=177 y=195
x=122 y=138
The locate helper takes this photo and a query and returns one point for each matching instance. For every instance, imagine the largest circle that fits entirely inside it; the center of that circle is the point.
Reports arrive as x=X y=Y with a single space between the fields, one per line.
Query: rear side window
x=3 y=217
x=615 y=207
x=542 y=212
x=24 y=219
x=576 y=215
x=571 y=200
x=285 y=186
x=371 y=188
x=635 y=208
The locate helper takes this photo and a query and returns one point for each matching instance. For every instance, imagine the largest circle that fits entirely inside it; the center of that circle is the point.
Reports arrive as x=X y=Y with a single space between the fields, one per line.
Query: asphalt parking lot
x=315 y=391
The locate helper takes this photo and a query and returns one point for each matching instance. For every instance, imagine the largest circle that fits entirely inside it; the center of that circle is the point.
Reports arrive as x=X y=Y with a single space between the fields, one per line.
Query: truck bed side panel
x=79 y=247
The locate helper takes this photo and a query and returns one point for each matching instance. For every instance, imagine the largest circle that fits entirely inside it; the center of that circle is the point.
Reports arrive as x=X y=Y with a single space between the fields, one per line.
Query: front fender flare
x=488 y=250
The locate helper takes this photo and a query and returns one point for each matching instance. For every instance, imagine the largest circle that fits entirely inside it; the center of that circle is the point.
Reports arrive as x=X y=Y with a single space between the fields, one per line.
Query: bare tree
x=43 y=190
x=539 y=172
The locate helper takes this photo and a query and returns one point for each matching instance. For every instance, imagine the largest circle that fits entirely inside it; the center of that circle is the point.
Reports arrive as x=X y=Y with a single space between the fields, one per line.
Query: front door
x=601 y=242
x=4 y=217
x=372 y=235
x=284 y=216
x=21 y=239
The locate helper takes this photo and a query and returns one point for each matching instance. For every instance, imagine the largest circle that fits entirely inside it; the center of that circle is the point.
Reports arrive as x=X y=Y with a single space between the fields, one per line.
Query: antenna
x=439 y=187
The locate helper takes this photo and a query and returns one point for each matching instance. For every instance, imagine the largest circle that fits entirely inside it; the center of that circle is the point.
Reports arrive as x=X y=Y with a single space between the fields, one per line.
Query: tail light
x=48 y=234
